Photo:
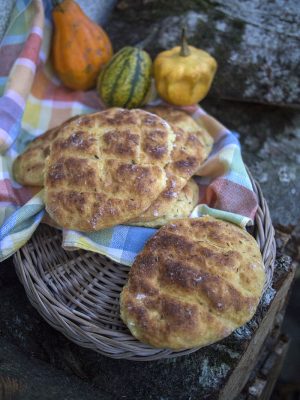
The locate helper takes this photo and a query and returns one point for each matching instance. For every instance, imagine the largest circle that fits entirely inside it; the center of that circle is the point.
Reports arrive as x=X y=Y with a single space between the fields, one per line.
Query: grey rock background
x=255 y=42
x=99 y=11
x=6 y=7
x=39 y=380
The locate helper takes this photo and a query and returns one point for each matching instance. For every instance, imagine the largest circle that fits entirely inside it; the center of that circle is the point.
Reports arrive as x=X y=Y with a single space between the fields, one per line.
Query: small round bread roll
x=29 y=167
x=195 y=282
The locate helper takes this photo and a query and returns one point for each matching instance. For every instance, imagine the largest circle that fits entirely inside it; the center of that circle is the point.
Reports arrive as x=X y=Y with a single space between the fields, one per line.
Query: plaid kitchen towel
x=33 y=100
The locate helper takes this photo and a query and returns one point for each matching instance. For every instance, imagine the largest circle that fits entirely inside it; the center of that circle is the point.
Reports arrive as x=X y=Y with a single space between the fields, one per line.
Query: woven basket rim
x=82 y=303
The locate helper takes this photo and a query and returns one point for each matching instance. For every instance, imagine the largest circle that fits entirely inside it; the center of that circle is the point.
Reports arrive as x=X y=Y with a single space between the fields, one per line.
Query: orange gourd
x=79 y=46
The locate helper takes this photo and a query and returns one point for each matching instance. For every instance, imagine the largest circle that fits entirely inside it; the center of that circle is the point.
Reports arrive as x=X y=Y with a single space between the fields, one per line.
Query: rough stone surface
x=38 y=380
x=254 y=42
x=5 y=11
x=99 y=11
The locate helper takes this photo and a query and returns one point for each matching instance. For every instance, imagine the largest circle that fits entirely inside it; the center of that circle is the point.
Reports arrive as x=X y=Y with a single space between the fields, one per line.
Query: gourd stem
x=184 y=51
x=148 y=39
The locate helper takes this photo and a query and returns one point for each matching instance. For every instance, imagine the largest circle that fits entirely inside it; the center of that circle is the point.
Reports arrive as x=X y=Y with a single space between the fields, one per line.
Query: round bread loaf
x=29 y=167
x=195 y=281
x=179 y=207
x=189 y=152
x=107 y=168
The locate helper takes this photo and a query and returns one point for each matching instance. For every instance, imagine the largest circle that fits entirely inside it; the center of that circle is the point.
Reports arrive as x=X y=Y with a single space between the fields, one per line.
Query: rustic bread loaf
x=179 y=207
x=106 y=168
x=194 y=283
x=28 y=167
x=189 y=152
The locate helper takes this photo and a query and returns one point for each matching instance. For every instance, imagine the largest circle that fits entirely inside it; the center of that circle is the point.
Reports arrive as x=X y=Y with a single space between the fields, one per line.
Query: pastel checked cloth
x=33 y=100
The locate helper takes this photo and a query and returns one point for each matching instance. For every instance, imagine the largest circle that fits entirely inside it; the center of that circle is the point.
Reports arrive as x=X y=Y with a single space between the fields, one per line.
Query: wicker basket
x=78 y=292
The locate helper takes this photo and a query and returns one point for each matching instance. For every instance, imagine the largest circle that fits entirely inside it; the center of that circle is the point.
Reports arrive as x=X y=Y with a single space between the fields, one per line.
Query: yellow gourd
x=183 y=75
x=79 y=46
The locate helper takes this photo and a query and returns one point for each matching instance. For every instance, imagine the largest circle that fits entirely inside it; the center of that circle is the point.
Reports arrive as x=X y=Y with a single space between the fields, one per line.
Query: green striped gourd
x=125 y=80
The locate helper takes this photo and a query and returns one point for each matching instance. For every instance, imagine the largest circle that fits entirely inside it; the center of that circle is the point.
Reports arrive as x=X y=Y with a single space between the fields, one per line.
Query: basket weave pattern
x=78 y=292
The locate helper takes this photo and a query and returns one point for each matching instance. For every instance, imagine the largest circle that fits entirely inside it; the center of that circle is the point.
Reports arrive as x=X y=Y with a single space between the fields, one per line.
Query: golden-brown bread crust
x=28 y=167
x=106 y=168
x=189 y=152
x=179 y=207
x=180 y=119
x=195 y=281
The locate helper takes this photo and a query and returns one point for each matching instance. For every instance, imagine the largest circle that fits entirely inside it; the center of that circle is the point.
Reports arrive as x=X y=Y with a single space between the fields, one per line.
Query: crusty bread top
x=189 y=152
x=106 y=168
x=179 y=207
x=28 y=167
x=179 y=119
x=195 y=281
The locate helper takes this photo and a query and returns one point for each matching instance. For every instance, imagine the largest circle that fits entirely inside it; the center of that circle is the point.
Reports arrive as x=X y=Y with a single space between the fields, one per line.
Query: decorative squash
x=79 y=46
x=183 y=75
x=125 y=80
